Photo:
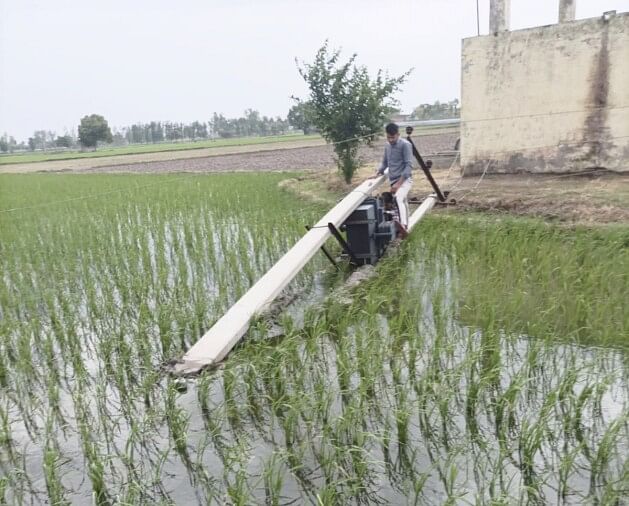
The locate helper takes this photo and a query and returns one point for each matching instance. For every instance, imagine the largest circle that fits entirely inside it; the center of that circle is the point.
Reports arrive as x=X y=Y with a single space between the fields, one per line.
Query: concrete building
x=547 y=99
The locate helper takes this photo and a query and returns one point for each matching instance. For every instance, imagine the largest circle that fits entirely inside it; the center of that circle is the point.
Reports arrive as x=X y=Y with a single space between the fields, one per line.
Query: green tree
x=4 y=143
x=199 y=130
x=157 y=132
x=40 y=139
x=120 y=137
x=253 y=122
x=348 y=106
x=63 y=141
x=301 y=116
x=92 y=129
x=437 y=110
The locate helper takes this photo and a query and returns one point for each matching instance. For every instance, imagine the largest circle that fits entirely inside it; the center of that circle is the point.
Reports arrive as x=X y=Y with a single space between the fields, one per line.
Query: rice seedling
x=485 y=363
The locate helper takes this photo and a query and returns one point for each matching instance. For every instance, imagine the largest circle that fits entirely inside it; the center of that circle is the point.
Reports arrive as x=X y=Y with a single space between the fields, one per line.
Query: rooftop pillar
x=567 y=10
x=499 y=15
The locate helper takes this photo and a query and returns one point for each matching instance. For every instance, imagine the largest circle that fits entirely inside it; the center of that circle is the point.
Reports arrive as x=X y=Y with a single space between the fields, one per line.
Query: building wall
x=547 y=99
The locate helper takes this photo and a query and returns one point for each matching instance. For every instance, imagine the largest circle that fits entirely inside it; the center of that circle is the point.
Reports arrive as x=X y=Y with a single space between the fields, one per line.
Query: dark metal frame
x=346 y=249
x=327 y=253
x=425 y=167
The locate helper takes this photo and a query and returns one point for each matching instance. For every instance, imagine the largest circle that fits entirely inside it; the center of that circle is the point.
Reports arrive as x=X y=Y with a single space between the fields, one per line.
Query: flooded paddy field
x=485 y=363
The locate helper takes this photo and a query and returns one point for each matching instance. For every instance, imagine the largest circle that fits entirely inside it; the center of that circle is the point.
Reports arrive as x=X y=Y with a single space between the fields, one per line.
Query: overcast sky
x=142 y=60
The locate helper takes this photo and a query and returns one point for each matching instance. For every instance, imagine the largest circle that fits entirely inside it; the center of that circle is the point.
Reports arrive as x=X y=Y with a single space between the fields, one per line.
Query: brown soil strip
x=287 y=158
x=594 y=199
x=79 y=164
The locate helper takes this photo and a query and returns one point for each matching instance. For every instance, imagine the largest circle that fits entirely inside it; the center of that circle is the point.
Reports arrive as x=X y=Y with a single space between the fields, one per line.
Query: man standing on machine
x=397 y=159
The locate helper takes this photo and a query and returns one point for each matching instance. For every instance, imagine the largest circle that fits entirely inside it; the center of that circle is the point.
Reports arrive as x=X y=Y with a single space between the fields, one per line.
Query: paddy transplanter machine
x=370 y=229
x=367 y=234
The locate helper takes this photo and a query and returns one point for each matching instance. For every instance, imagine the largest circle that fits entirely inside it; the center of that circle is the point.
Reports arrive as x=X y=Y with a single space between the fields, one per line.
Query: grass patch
x=557 y=282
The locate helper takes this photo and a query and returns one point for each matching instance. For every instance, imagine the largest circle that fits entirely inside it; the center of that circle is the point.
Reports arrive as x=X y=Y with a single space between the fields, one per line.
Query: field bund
x=486 y=361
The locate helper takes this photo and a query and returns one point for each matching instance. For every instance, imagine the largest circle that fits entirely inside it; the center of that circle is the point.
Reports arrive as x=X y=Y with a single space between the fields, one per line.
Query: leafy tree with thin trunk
x=300 y=116
x=63 y=141
x=92 y=129
x=348 y=106
x=4 y=143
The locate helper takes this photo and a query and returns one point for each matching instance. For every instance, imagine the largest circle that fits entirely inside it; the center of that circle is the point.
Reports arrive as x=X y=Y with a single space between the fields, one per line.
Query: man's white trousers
x=402 y=201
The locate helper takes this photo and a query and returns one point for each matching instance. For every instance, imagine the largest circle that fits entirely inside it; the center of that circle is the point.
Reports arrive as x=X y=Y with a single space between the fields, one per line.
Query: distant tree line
x=43 y=140
x=94 y=129
x=160 y=131
x=251 y=124
x=437 y=110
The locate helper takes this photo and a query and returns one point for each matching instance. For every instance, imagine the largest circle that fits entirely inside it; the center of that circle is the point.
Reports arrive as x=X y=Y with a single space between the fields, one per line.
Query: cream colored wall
x=547 y=99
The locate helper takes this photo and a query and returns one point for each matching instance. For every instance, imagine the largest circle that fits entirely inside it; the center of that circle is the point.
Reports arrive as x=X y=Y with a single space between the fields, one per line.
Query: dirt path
x=595 y=198
x=599 y=197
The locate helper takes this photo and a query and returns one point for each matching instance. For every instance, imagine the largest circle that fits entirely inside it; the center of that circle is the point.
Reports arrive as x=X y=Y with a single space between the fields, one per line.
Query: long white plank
x=216 y=343
x=422 y=210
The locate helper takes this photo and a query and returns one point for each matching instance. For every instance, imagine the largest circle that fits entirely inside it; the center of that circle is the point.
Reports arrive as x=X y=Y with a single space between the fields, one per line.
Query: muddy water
x=462 y=453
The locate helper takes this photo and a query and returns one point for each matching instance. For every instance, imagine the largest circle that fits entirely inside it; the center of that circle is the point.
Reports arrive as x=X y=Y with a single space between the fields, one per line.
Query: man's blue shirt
x=398 y=158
